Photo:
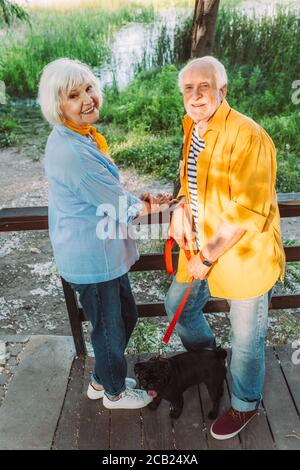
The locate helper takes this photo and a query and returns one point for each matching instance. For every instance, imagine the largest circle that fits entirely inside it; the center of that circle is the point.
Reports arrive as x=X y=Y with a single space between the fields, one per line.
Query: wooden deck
x=86 y=424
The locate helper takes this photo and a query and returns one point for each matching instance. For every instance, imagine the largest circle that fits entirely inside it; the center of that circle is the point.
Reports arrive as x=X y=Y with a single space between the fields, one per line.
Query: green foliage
x=10 y=11
x=143 y=338
x=149 y=153
x=261 y=54
x=151 y=102
x=82 y=34
x=7 y=129
x=262 y=60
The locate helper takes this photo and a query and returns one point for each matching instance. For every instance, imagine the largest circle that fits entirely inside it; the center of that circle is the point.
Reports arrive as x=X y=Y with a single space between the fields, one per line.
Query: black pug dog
x=169 y=377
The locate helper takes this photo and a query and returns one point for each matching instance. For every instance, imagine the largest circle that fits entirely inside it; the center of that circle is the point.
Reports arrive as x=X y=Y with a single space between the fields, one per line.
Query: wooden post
x=75 y=318
x=204 y=27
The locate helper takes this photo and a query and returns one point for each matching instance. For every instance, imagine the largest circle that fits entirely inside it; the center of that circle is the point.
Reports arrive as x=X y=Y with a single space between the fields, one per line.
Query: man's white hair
x=58 y=79
x=206 y=61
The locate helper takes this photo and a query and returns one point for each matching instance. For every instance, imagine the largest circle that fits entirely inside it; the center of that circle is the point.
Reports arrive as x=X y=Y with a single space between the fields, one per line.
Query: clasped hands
x=158 y=203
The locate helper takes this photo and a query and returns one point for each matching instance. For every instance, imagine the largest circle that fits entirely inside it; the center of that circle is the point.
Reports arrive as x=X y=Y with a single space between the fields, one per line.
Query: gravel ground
x=10 y=350
x=31 y=297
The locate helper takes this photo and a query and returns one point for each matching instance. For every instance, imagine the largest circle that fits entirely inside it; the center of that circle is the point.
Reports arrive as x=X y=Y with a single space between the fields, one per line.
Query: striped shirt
x=197 y=145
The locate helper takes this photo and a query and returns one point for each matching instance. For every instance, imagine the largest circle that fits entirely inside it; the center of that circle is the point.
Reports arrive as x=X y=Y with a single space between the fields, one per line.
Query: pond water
x=136 y=45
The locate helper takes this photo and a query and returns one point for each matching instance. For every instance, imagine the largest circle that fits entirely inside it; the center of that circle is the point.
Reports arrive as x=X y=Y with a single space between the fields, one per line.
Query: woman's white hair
x=206 y=61
x=58 y=79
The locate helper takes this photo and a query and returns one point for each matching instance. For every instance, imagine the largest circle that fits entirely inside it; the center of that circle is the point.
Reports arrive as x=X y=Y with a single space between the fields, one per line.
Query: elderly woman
x=227 y=177
x=86 y=197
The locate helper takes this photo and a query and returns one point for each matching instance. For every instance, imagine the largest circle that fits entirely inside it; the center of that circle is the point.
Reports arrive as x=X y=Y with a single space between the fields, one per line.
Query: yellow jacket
x=236 y=174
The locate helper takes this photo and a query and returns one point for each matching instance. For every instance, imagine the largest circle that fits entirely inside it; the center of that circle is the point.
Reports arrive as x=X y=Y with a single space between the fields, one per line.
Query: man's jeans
x=112 y=311
x=249 y=320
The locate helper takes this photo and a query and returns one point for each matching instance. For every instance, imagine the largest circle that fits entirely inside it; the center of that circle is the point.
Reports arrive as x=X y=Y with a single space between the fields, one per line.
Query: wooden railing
x=36 y=218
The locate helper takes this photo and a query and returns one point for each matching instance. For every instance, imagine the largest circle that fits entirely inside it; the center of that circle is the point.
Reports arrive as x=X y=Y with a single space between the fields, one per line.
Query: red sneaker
x=231 y=423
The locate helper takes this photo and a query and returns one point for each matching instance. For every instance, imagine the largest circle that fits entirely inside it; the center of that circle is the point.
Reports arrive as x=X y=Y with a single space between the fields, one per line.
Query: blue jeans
x=111 y=309
x=249 y=321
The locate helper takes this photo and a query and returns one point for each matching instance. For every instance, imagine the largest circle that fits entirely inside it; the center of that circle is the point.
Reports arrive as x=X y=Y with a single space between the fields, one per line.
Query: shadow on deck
x=86 y=424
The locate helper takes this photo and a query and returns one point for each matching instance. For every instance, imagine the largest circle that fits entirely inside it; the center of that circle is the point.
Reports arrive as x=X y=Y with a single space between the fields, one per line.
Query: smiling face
x=81 y=105
x=201 y=96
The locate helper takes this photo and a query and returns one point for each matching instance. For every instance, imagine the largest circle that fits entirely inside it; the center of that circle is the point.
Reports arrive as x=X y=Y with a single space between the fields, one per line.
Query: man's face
x=201 y=97
x=81 y=105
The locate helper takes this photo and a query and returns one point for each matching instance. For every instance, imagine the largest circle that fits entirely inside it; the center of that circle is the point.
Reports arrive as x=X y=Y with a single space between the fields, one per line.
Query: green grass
x=7 y=132
x=82 y=34
x=152 y=102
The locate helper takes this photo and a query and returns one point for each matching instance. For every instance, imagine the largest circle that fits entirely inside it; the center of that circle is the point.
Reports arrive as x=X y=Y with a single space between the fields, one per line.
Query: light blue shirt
x=86 y=203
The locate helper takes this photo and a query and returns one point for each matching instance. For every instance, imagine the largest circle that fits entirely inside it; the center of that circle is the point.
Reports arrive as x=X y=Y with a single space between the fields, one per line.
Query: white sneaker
x=94 y=394
x=129 y=399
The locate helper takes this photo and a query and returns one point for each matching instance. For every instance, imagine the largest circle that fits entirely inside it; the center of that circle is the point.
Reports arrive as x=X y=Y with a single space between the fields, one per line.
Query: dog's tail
x=220 y=352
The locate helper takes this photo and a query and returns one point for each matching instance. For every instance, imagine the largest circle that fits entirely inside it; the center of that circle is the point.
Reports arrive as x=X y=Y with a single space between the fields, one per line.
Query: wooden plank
x=153 y=262
x=285 y=301
x=94 y=418
x=23 y=218
x=157 y=425
x=158 y=309
x=281 y=411
x=291 y=369
x=288 y=198
x=66 y=434
x=213 y=306
x=126 y=426
x=36 y=218
x=219 y=305
x=292 y=253
x=156 y=261
x=188 y=428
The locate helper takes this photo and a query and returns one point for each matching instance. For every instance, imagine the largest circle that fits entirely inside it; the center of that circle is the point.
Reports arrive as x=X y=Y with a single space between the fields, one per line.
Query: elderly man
x=228 y=204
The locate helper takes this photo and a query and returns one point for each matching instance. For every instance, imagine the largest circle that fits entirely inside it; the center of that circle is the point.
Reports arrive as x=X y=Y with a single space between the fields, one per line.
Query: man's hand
x=197 y=269
x=181 y=227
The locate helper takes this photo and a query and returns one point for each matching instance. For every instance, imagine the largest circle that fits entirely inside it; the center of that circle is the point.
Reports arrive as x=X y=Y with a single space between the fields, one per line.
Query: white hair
x=207 y=61
x=58 y=79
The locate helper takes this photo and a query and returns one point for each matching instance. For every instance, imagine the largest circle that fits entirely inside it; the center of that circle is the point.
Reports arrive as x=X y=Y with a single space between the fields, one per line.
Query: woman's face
x=81 y=105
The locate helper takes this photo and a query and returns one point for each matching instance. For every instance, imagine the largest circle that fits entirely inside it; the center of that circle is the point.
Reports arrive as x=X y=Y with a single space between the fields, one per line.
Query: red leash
x=169 y=267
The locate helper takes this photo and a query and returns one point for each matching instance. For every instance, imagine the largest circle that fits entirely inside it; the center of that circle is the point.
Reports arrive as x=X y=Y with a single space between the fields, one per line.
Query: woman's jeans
x=249 y=320
x=112 y=311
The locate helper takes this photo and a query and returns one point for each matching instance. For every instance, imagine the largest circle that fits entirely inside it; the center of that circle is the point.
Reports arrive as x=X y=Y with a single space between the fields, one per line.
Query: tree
x=204 y=27
x=10 y=11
